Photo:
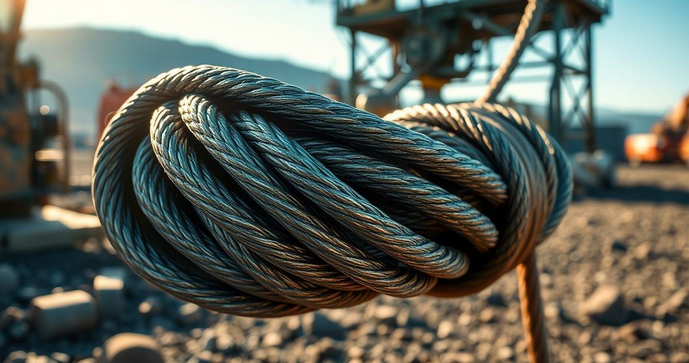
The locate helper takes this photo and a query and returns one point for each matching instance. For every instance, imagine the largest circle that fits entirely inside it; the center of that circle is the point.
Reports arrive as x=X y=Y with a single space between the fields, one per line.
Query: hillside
x=82 y=60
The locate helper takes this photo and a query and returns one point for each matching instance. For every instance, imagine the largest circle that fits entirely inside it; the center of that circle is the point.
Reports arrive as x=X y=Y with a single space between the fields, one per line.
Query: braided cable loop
x=252 y=197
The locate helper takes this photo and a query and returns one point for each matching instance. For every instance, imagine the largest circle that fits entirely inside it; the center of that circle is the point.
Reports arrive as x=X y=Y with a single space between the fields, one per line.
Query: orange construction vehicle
x=667 y=142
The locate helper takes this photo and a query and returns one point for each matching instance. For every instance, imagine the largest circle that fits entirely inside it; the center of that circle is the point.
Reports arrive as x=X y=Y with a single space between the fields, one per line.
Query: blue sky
x=641 y=51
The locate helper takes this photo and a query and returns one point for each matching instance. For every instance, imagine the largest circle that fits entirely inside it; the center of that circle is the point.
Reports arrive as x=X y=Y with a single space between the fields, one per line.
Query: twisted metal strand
x=252 y=197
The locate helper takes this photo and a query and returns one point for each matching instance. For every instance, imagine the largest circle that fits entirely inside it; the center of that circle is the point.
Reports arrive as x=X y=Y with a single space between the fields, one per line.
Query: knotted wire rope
x=252 y=197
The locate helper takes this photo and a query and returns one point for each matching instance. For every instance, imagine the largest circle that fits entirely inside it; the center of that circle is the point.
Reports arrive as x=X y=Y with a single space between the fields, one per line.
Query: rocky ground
x=614 y=277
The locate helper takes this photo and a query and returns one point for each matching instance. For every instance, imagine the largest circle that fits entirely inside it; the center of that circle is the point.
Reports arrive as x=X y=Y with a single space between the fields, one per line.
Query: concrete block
x=131 y=348
x=116 y=272
x=63 y=314
x=51 y=228
x=109 y=293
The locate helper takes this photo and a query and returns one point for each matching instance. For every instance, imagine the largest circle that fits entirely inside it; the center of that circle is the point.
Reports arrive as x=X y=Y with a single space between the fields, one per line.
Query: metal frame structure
x=569 y=25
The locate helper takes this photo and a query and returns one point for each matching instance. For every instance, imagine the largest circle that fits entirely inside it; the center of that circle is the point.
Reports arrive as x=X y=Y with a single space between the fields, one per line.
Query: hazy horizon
x=626 y=45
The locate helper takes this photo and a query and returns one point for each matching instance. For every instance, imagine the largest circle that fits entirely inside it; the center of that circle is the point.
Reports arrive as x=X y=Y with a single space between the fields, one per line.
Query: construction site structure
x=34 y=151
x=434 y=45
x=31 y=164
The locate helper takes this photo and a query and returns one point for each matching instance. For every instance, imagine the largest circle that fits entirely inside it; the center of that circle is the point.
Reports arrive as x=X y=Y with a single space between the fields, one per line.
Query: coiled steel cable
x=249 y=196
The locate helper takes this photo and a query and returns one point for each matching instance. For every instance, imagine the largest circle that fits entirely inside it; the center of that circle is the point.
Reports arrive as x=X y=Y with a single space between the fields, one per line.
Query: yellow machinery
x=34 y=152
x=34 y=144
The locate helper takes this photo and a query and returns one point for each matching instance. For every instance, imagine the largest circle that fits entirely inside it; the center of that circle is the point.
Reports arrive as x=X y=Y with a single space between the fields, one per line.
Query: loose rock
x=445 y=329
x=17 y=357
x=272 y=339
x=11 y=315
x=496 y=299
x=109 y=293
x=190 y=314
x=131 y=348
x=606 y=306
x=151 y=306
x=65 y=313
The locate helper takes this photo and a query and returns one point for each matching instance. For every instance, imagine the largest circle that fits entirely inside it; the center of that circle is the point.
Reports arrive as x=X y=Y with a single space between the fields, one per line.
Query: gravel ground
x=614 y=278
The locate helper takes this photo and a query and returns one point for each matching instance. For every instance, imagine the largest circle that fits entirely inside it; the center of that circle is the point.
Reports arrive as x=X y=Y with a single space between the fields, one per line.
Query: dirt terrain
x=614 y=279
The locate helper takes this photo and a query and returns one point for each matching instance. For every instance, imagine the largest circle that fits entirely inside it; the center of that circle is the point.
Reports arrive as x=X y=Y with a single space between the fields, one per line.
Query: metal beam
x=555 y=105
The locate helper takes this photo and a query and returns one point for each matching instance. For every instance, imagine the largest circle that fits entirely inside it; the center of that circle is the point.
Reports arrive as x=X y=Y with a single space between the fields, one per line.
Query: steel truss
x=566 y=61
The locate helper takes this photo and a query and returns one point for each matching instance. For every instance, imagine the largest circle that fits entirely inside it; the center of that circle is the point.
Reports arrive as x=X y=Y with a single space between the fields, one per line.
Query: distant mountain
x=82 y=60
x=605 y=117
x=635 y=122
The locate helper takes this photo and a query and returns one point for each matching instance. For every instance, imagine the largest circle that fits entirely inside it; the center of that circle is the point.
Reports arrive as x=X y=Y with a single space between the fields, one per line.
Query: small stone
x=445 y=329
x=642 y=251
x=386 y=314
x=460 y=357
x=505 y=353
x=465 y=319
x=631 y=332
x=602 y=357
x=202 y=357
x=109 y=293
x=39 y=359
x=11 y=315
x=679 y=357
x=319 y=325
x=131 y=348
x=553 y=311
x=9 y=279
x=496 y=299
x=190 y=314
x=677 y=300
x=487 y=316
x=272 y=339
x=225 y=343
x=18 y=356
x=60 y=357
x=151 y=306
x=355 y=352
x=606 y=306
x=645 y=348
x=62 y=314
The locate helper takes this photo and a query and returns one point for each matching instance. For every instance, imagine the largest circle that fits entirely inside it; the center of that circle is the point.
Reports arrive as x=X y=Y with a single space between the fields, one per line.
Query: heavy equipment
x=34 y=149
x=442 y=42
x=31 y=165
x=113 y=97
x=667 y=142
